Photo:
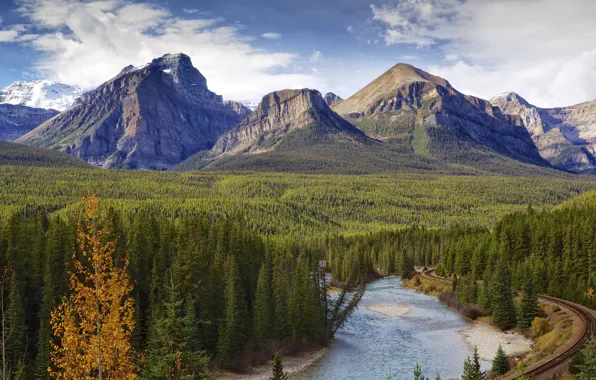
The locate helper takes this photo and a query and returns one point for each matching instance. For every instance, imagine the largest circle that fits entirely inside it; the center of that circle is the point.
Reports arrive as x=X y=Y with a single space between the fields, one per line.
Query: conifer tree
x=278 y=369
x=173 y=352
x=232 y=335
x=472 y=367
x=93 y=325
x=263 y=312
x=500 y=365
x=587 y=369
x=528 y=307
x=503 y=308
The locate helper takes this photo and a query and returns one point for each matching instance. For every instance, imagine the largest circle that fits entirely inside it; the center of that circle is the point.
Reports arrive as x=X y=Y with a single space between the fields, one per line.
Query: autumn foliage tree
x=92 y=327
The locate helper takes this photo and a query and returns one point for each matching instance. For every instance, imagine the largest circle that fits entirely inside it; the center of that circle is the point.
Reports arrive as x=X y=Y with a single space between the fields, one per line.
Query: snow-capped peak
x=40 y=94
x=252 y=105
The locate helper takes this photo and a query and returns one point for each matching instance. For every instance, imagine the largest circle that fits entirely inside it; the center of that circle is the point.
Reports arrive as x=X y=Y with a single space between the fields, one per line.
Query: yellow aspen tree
x=93 y=325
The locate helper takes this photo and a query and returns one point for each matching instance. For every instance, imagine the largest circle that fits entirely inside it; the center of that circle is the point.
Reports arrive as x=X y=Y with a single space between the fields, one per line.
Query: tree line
x=196 y=293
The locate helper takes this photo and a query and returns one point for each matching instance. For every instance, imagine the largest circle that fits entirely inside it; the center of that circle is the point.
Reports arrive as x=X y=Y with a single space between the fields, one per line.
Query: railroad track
x=585 y=315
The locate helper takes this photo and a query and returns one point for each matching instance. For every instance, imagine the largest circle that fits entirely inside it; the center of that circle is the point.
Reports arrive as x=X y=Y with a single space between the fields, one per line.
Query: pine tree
x=418 y=373
x=500 y=363
x=472 y=367
x=263 y=313
x=278 y=369
x=17 y=337
x=528 y=308
x=173 y=352
x=93 y=325
x=503 y=308
x=232 y=336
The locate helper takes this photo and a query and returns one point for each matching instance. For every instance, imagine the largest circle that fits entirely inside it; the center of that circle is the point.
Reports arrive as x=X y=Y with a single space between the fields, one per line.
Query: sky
x=544 y=50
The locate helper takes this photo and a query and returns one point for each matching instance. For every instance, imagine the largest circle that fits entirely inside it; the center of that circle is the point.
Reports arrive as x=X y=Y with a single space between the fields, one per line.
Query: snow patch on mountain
x=250 y=105
x=40 y=94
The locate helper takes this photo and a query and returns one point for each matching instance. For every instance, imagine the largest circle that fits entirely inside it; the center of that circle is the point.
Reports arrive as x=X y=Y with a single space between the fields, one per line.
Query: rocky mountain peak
x=332 y=99
x=240 y=109
x=148 y=117
x=404 y=73
x=279 y=114
x=508 y=98
x=180 y=67
x=283 y=102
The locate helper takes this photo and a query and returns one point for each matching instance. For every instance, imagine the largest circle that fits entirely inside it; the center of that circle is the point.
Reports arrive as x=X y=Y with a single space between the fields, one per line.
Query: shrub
x=540 y=326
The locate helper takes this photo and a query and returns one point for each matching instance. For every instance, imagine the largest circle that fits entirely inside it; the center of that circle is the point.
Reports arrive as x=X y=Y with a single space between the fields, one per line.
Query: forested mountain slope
x=18 y=154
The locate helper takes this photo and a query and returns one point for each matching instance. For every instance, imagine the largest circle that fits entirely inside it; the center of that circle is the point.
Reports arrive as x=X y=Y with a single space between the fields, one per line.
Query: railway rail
x=585 y=315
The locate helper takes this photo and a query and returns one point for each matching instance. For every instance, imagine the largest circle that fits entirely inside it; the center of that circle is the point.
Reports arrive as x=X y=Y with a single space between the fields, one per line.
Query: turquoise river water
x=371 y=344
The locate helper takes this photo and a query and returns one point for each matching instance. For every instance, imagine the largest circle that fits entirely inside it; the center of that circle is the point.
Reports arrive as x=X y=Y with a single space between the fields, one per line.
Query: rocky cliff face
x=406 y=105
x=240 y=109
x=565 y=136
x=331 y=99
x=278 y=115
x=15 y=120
x=149 y=117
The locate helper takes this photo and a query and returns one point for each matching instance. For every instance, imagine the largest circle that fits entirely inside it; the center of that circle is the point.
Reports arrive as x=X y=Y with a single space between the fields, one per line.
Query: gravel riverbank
x=292 y=364
x=487 y=338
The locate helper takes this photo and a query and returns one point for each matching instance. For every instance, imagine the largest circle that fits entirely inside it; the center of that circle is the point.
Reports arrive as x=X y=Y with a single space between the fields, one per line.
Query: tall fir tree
x=503 y=307
x=500 y=364
x=173 y=351
x=528 y=307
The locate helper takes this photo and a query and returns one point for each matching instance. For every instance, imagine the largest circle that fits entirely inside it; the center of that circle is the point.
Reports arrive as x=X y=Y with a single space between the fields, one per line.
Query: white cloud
x=316 y=56
x=191 y=10
x=8 y=35
x=85 y=45
x=409 y=57
x=350 y=29
x=271 y=36
x=493 y=46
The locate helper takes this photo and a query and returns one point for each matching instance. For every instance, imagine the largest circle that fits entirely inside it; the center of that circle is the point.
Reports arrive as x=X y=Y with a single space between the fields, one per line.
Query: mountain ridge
x=148 y=117
x=565 y=136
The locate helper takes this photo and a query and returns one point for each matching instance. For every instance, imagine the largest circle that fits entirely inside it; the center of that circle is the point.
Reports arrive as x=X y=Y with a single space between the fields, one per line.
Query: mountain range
x=162 y=115
x=565 y=136
x=40 y=94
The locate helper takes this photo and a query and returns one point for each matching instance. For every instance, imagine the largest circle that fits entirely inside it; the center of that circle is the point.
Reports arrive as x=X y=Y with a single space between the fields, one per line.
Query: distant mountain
x=331 y=99
x=415 y=110
x=40 y=94
x=23 y=155
x=149 y=117
x=565 y=136
x=240 y=109
x=250 y=105
x=295 y=131
x=15 y=120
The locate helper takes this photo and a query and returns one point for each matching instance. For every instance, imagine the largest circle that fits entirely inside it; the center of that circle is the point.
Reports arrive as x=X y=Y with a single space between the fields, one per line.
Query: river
x=371 y=344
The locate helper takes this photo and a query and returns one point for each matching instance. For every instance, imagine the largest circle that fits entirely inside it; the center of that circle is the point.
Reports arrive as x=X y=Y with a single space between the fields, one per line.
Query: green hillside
x=17 y=154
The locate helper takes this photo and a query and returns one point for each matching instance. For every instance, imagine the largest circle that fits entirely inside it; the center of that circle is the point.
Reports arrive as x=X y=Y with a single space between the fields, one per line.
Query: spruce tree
x=173 y=351
x=278 y=369
x=232 y=335
x=263 y=313
x=500 y=363
x=503 y=308
x=528 y=308
x=472 y=367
